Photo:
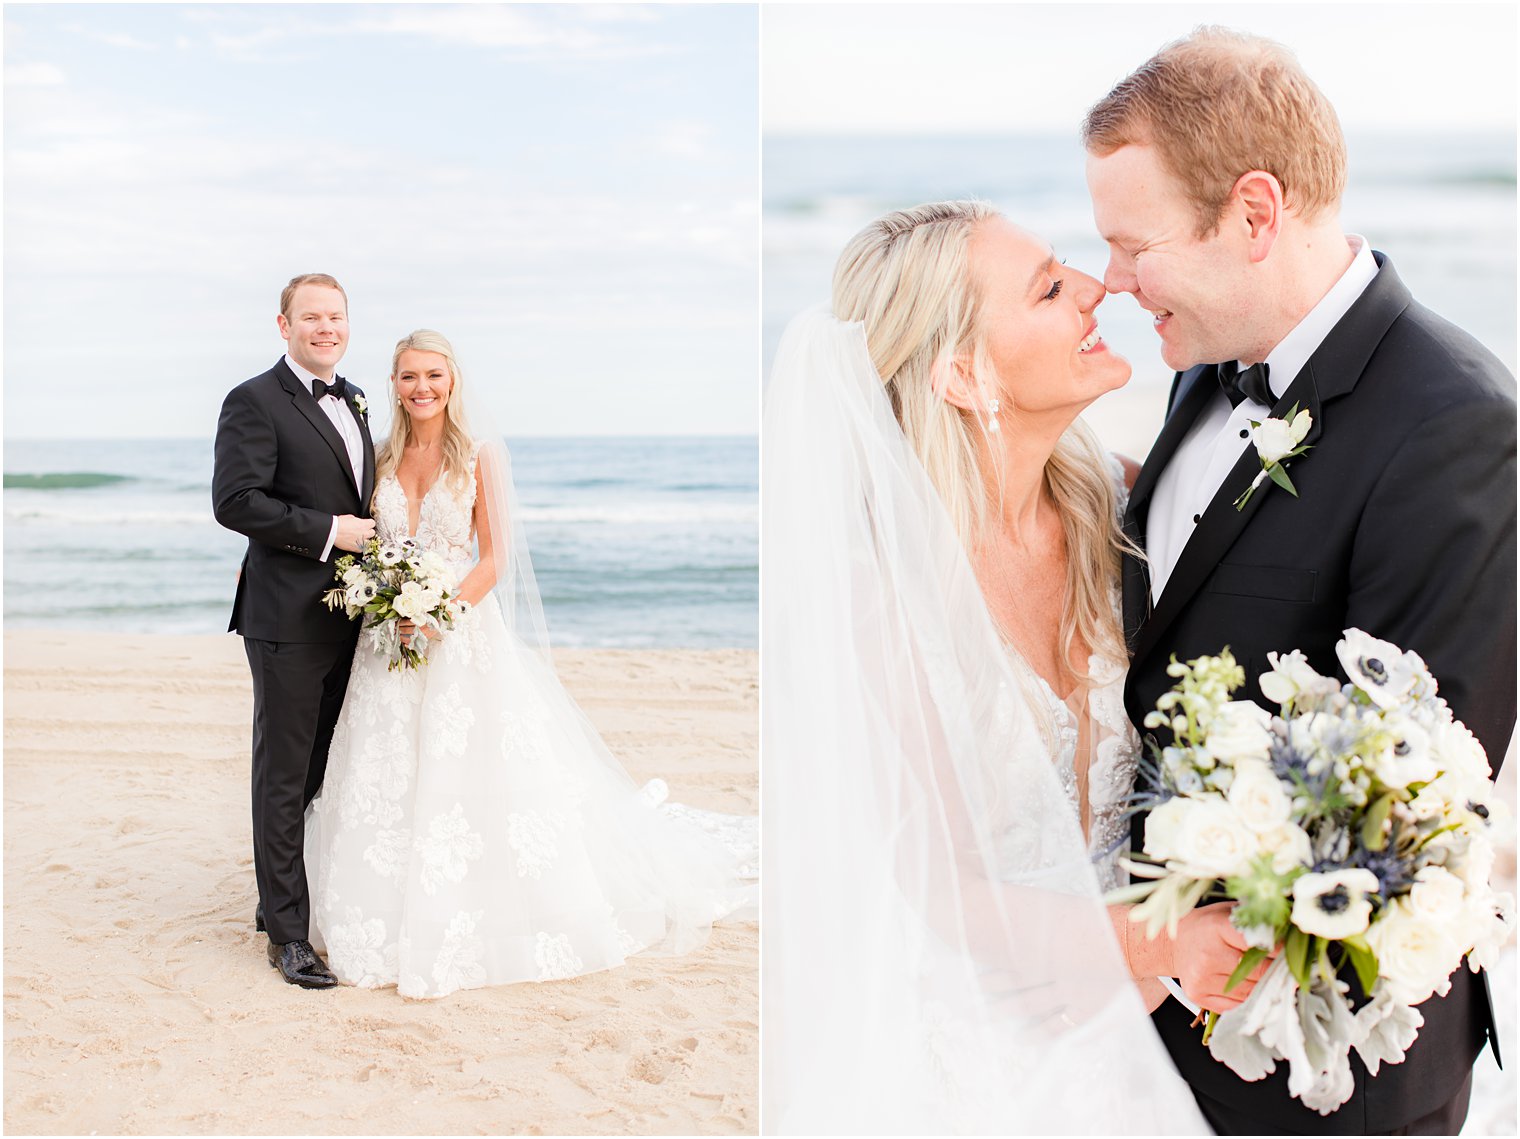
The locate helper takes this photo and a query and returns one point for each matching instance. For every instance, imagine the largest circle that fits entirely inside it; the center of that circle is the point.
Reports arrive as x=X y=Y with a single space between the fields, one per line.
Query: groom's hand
x=1204 y=954
x=353 y=532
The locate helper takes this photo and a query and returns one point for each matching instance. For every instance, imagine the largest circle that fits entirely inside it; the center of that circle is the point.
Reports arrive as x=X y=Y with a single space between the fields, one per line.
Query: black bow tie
x=338 y=387
x=1248 y=384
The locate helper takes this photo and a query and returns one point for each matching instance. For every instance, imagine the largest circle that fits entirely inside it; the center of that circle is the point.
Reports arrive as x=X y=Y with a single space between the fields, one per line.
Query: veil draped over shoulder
x=936 y=954
x=516 y=588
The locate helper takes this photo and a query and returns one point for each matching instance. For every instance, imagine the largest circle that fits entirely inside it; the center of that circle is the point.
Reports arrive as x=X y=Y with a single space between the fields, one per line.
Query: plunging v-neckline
x=412 y=529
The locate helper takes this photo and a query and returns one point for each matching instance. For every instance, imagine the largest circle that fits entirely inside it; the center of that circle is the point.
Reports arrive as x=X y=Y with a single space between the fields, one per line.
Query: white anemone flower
x=389 y=554
x=1410 y=758
x=1378 y=668
x=1334 y=904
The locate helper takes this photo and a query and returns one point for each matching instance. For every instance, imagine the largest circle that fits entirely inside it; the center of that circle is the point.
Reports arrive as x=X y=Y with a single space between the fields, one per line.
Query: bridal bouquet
x=395 y=581
x=1356 y=826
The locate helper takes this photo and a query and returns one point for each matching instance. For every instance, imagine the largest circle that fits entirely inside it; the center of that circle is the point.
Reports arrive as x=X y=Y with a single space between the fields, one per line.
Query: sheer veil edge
x=936 y=955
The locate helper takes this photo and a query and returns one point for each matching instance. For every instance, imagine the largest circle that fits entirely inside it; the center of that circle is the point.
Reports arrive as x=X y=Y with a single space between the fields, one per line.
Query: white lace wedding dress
x=1103 y=757
x=472 y=828
x=1091 y=741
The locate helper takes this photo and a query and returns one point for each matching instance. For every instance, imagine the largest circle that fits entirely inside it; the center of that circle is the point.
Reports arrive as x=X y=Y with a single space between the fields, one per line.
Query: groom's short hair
x=322 y=279
x=1218 y=103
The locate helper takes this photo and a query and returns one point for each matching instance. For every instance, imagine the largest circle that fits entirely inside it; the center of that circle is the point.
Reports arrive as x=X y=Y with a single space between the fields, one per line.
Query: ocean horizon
x=1442 y=207
x=637 y=541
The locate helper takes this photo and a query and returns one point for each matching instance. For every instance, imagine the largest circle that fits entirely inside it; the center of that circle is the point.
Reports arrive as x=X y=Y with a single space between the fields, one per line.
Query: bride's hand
x=408 y=630
x=1205 y=953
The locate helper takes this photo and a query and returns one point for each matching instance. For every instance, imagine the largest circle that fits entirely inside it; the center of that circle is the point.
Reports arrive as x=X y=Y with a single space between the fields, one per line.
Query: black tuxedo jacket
x=281 y=474
x=1404 y=527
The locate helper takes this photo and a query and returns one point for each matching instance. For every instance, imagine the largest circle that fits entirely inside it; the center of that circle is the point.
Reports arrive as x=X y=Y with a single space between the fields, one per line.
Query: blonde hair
x=907 y=277
x=1217 y=104
x=287 y=294
x=458 y=443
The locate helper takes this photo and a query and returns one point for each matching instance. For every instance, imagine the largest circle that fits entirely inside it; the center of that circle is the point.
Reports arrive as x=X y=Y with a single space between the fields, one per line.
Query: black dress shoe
x=299 y=964
x=258 y=917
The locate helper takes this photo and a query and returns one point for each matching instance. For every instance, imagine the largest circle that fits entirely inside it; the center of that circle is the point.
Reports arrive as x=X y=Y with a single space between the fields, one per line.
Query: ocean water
x=637 y=542
x=1443 y=208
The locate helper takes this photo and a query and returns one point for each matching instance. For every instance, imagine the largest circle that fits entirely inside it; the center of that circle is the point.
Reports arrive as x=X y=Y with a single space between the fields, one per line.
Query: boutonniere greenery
x=362 y=405
x=1277 y=441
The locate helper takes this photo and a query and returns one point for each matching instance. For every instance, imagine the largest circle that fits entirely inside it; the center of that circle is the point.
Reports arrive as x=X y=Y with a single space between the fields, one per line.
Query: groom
x=295 y=468
x=1216 y=173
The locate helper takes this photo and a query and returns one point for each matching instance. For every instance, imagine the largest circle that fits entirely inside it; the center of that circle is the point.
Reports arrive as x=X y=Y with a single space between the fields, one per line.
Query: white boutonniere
x=361 y=405
x=1277 y=441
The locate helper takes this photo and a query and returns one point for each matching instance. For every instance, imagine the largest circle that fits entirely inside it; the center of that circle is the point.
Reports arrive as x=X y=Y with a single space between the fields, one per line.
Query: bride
x=472 y=828
x=947 y=758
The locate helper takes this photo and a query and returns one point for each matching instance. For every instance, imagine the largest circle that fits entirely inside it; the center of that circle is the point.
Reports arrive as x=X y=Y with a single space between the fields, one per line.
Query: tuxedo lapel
x=1220 y=524
x=1190 y=395
x=318 y=419
x=367 y=489
x=1331 y=372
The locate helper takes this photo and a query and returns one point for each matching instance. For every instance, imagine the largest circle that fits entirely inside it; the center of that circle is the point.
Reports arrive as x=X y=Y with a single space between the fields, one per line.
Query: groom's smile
x=1190 y=284
x=316 y=328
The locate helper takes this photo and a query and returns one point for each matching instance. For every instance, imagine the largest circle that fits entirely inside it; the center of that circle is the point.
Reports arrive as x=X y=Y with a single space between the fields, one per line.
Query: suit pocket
x=1266 y=582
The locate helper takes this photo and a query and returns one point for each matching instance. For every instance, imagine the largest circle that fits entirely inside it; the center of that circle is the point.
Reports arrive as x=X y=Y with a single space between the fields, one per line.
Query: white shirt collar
x=305 y=375
x=1292 y=352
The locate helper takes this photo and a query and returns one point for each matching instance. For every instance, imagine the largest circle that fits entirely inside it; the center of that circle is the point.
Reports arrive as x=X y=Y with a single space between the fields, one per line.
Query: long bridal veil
x=936 y=955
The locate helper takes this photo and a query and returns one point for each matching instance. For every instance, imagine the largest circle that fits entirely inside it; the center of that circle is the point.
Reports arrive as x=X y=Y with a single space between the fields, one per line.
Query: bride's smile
x=423 y=384
x=1039 y=323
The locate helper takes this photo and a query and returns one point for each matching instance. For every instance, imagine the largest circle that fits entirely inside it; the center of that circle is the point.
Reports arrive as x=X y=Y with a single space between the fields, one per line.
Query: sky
x=969 y=69
x=569 y=193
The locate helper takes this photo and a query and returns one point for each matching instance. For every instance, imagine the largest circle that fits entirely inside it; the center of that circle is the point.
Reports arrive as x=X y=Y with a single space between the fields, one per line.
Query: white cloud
x=149 y=223
x=111 y=39
x=688 y=140
x=527 y=31
x=34 y=75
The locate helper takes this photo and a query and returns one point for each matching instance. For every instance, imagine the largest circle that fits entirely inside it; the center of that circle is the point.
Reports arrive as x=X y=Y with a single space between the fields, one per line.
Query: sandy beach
x=137 y=996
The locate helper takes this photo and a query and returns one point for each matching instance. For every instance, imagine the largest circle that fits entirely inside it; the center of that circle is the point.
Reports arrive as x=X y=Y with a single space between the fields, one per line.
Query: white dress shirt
x=1221 y=434
x=342 y=417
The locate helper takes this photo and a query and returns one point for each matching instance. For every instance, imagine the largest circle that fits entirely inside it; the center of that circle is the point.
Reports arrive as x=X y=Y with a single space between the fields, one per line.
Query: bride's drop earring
x=992 y=420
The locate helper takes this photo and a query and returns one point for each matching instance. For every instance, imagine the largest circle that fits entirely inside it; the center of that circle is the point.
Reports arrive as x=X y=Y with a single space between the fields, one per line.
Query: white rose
x=1476 y=866
x=1161 y=827
x=353 y=575
x=1438 y=897
x=1458 y=752
x=1291 y=674
x=1258 y=796
x=1274 y=438
x=1493 y=922
x=1289 y=847
x=1240 y=728
x=408 y=603
x=1415 y=957
x=1334 y=904
x=1435 y=800
x=1213 y=841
